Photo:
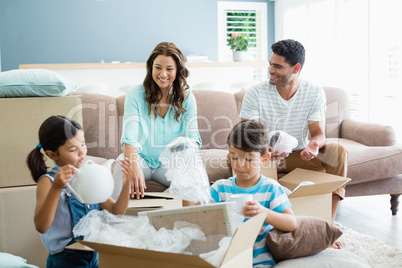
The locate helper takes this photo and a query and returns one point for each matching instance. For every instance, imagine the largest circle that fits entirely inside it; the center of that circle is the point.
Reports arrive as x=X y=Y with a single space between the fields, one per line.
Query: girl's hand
x=137 y=181
x=127 y=171
x=252 y=209
x=63 y=176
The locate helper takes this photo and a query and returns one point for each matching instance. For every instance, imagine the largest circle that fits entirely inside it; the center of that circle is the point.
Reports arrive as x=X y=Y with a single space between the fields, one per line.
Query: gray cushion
x=311 y=236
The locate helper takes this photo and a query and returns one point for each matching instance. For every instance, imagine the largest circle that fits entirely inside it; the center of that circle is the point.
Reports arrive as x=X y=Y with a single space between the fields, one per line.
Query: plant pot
x=239 y=55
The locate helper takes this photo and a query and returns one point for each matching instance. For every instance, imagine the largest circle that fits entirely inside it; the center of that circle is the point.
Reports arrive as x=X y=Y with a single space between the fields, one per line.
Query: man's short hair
x=291 y=50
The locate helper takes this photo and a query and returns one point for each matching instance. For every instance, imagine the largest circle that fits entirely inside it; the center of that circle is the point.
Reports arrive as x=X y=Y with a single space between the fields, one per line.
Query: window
x=351 y=44
x=250 y=19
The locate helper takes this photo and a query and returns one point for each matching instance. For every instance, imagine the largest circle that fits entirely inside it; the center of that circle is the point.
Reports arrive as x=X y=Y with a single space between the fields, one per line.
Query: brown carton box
x=20 y=122
x=153 y=201
x=238 y=255
x=316 y=199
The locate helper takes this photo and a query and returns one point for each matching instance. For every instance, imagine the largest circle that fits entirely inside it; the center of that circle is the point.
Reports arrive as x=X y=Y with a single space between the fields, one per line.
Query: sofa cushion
x=100 y=123
x=239 y=96
x=120 y=113
x=337 y=110
x=378 y=161
x=311 y=236
x=392 y=185
x=217 y=114
x=215 y=161
x=34 y=83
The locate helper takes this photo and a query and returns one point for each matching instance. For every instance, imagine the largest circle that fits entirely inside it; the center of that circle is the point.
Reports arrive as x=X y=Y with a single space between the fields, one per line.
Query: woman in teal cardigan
x=155 y=113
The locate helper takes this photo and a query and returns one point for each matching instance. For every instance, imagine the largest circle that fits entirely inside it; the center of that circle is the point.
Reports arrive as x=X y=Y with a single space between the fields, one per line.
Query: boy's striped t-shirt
x=268 y=193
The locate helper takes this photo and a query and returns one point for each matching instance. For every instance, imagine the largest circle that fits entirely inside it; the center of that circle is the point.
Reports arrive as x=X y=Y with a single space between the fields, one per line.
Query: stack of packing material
x=214 y=221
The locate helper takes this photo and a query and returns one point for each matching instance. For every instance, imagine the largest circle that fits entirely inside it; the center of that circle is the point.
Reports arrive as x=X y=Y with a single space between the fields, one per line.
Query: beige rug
x=373 y=251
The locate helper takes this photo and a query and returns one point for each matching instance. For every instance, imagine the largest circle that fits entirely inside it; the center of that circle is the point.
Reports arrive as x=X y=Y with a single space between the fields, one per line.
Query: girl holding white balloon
x=57 y=211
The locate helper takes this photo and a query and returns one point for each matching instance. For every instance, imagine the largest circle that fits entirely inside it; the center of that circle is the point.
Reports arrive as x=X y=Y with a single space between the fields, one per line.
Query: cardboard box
x=18 y=235
x=20 y=122
x=238 y=255
x=269 y=170
x=153 y=201
x=312 y=200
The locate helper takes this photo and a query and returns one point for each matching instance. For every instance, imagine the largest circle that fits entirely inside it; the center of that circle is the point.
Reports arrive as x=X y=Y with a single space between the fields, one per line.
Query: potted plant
x=238 y=44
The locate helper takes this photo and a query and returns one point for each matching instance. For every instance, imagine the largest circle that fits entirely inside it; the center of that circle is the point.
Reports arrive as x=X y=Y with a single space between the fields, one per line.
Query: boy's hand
x=252 y=209
x=63 y=176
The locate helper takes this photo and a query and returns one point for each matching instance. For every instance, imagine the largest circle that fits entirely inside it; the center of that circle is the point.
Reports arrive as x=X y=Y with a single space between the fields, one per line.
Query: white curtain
x=352 y=44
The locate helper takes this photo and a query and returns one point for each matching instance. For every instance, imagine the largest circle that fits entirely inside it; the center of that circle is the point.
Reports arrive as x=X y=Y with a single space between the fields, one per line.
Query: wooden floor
x=372 y=215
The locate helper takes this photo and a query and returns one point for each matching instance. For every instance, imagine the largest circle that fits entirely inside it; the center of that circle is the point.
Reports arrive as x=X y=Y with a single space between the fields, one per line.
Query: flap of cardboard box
x=151 y=200
x=323 y=182
x=214 y=220
x=113 y=254
x=160 y=195
x=146 y=203
x=244 y=236
x=79 y=246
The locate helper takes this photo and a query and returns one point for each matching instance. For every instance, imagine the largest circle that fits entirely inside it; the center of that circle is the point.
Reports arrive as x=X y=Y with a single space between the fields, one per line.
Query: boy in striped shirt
x=248 y=148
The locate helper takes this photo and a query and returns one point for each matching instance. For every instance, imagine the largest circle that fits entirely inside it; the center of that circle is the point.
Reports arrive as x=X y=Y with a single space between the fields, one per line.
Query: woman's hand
x=137 y=181
x=252 y=208
x=63 y=176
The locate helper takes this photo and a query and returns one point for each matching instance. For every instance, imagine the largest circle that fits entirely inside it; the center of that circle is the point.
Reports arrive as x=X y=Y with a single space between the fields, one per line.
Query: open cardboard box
x=238 y=255
x=153 y=201
x=316 y=199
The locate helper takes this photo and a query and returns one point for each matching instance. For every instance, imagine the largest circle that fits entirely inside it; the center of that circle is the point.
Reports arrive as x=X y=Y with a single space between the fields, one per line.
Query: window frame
x=224 y=52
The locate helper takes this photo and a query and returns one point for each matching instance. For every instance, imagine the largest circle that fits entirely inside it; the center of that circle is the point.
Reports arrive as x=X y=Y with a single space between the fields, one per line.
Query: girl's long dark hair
x=53 y=133
x=153 y=93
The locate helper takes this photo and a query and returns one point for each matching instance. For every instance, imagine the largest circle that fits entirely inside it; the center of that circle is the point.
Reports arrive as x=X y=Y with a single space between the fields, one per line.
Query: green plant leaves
x=238 y=42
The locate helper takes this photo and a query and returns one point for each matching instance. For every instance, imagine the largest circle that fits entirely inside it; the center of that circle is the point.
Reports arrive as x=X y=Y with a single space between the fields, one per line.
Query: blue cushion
x=11 y=261
x=34 y=83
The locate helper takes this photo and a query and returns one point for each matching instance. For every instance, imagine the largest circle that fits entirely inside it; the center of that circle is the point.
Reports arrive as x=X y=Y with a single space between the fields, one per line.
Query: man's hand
x=311 y=151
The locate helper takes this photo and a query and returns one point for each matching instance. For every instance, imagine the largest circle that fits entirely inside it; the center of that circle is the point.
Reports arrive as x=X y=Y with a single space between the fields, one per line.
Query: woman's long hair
x=153 y=94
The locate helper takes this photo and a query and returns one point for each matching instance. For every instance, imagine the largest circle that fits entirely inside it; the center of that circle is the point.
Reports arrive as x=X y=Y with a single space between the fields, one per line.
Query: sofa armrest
x=369 y=134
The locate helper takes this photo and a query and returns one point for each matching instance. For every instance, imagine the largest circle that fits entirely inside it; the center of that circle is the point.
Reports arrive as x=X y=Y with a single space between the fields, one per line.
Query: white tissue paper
x=186 y=170
x=215 y=257
x=136 y=232
x=303 y=183
x=282 y=141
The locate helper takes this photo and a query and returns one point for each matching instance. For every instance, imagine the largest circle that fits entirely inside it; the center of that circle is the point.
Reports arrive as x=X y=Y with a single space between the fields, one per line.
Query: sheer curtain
x=352 y=44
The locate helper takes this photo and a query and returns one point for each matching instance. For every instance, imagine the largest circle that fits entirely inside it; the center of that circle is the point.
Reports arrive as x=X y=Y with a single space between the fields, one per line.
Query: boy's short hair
x=249 y=136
